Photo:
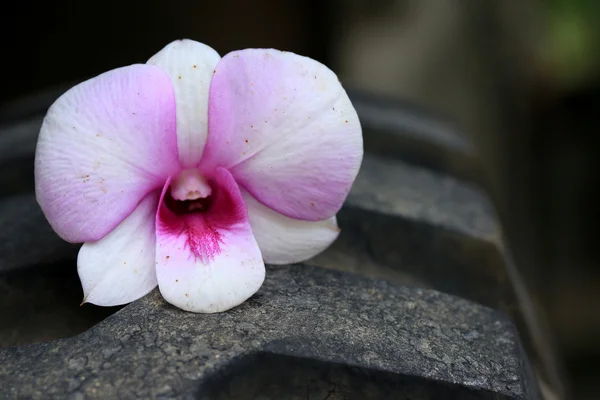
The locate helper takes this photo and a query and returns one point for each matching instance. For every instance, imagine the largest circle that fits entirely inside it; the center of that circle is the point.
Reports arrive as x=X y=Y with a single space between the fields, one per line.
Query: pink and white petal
x=190 y=65
x=103 y=146
x=119 y=268
x=208 y=261
x=283 y=240
x=286 y=129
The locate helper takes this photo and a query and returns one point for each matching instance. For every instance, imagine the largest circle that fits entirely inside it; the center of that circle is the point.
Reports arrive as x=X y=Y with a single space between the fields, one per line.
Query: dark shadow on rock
x=42 y=304
x=269 y=376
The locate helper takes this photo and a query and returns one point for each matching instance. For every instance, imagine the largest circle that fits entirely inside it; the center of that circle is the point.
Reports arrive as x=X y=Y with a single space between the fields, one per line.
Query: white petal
x=283 y=240
x=120 y=268
x=190 y=65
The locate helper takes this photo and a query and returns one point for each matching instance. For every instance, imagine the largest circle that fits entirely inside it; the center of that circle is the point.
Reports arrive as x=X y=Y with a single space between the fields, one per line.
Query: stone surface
x=420 y=227
x=414 y=226
x=416 y=216
x=336 y=330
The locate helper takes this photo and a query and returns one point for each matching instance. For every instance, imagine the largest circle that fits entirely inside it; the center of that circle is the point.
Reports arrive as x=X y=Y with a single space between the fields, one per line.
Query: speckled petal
x=286 y=129
x=103 y=146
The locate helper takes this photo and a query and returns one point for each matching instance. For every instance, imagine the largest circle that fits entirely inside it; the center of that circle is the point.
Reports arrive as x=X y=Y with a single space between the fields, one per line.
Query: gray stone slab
x=403 y=223
x=324 y=331
x=416 y=226
x=406 y=221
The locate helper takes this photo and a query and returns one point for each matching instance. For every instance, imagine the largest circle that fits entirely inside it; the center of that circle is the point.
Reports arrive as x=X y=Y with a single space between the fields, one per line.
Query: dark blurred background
x=522 y=79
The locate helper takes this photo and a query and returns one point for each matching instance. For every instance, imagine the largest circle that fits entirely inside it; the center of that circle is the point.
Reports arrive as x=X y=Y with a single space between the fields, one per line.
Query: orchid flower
x=191 y=171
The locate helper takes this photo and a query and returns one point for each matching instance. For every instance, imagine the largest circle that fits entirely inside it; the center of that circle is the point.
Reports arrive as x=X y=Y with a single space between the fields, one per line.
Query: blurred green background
x=521 y=78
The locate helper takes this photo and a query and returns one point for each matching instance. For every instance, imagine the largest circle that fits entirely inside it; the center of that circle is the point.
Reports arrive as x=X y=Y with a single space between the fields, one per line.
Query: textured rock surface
x=335 y=330
x=414 y=226
x=415 y=216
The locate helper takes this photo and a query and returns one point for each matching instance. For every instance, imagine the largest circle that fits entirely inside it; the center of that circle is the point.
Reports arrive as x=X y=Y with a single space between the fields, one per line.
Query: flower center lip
x=189 y=193
x=183 y=207
x=190 y=185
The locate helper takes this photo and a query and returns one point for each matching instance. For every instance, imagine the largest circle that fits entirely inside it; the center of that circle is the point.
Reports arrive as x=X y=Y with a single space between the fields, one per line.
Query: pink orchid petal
x=103 y=146
x=283 y=240
x=208 y=261
x=285 y=128
x=119 y=268
x=190 y=65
